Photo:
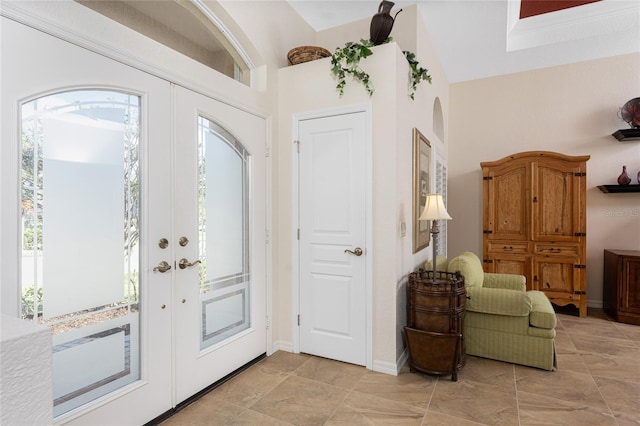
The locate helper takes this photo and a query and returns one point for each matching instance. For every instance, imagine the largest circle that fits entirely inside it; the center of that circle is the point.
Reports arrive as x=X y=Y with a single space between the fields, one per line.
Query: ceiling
x=483 y=38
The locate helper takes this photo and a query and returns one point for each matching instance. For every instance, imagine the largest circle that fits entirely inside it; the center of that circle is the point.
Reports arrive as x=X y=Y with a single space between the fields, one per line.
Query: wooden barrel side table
x=435 y=322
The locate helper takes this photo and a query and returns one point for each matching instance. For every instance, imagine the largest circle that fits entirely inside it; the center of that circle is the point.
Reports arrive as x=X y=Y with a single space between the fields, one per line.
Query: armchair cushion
x=470 y=267
x=542 y=314
x=498 y=301
x=506 y=281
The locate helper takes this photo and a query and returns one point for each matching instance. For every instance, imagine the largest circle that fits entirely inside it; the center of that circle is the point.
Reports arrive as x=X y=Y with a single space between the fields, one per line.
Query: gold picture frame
x=421 y=187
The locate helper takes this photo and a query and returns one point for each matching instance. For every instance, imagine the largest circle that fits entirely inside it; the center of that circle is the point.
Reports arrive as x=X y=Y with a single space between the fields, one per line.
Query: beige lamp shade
x=434 y=209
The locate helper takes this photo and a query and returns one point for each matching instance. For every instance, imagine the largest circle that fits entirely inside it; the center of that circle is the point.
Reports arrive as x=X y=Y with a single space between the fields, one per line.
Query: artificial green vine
x=417 y=72
x=346 y=60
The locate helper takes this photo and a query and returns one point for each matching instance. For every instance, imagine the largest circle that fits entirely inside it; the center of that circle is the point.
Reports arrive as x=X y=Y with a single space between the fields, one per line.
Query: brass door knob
x=162 y=267
x=357 y=251
x=184 y=263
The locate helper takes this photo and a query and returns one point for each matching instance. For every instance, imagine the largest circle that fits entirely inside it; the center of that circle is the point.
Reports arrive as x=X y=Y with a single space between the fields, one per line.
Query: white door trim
x=295 y=273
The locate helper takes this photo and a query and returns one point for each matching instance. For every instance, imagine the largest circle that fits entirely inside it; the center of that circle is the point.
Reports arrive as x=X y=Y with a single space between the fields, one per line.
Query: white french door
x=133 y=223
x=220 y=320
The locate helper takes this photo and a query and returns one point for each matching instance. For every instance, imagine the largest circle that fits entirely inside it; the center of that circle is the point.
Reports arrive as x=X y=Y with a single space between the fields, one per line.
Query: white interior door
x=332 y=247
x=85 y=151
x=220 y=194
x=108 y=173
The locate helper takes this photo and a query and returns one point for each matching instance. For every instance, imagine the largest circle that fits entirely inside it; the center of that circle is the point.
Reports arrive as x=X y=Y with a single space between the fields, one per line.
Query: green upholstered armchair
x=504 y=321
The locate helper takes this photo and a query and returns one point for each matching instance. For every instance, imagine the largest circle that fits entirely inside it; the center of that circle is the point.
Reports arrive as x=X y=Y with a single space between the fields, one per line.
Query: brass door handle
x=162 y=267
x=184 y=263
x=357 y=251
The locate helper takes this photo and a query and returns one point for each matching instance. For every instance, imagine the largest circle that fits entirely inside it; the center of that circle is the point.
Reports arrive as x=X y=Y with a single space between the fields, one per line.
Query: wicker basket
x=299 y=55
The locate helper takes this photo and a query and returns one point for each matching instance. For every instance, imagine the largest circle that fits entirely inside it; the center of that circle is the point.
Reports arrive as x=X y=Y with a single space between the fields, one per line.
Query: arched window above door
x=186 y=26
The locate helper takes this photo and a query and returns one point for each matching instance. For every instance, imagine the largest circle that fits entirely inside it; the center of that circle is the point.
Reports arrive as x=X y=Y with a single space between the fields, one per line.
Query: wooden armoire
x=534 y=222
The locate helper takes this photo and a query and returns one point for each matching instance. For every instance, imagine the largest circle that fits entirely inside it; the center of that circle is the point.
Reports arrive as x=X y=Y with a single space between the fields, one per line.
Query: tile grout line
x=601 y=395
x=345 y=398
x=339 y=405
x=515 y=387
x=349 y=391
x=286 y=376
x=433 y=391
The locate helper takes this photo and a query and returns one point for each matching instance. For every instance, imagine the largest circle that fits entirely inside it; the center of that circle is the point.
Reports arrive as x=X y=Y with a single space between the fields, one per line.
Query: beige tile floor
x=597 y=383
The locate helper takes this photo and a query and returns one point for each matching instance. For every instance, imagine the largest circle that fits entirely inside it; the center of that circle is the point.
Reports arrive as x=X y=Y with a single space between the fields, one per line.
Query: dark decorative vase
x=624 y=178
x=630 y=112
x=382 y=23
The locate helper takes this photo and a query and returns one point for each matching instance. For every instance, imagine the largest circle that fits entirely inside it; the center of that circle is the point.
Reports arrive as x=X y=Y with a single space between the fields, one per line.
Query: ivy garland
x=346 y=60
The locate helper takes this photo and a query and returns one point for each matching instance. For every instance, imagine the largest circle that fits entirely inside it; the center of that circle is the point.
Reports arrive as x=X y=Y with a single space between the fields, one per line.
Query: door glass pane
x=225 y=290
x=80 y=251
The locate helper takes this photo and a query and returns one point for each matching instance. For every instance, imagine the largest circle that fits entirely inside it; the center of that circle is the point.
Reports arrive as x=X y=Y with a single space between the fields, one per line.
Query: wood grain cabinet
x=622 y=285
x=534 y=222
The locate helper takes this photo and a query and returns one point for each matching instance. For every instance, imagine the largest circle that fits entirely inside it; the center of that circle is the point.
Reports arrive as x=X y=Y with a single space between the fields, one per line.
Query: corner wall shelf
x=627 y=134
x=613 y=189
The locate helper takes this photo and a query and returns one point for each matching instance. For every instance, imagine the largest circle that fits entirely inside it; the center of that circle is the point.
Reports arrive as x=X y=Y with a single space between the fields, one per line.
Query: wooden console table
x=435 y=322
x=621 y=288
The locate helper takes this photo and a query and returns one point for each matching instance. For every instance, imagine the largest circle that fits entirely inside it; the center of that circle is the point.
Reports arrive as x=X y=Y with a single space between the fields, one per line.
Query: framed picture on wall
x=421 y=187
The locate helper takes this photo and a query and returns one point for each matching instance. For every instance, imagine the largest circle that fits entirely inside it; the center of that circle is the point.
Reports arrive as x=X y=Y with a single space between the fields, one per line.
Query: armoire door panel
x=508 y=215
x=514 y=264
x=556 y=196
x=557 y=275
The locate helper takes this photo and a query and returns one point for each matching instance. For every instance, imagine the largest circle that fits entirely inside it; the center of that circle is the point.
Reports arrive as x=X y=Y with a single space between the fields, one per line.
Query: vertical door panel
x=557 y=191
x=332 y=220
x=508 y=212
x=84 y=151
x=220 y=197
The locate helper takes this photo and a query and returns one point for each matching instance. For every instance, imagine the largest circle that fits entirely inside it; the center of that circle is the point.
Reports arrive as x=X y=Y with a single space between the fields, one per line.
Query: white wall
x=569 y=109
x=310 y=87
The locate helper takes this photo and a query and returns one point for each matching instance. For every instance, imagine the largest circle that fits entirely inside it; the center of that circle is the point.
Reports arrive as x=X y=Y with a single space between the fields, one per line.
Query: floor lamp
x=434 y=210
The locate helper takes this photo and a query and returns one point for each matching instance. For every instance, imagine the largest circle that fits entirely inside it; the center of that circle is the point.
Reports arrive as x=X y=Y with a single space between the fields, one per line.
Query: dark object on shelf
x=435 y=322
x=613 y=189
x=622 y=285
x=299 y=55
x=630 y=113
x=626 y=134
x=624 y=178
x=382 y=23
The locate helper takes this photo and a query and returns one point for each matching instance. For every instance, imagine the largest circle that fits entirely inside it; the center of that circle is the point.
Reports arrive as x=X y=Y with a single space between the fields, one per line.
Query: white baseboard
x=391 y=368
x=595 y=304
x=403 y=359
x=280 y=345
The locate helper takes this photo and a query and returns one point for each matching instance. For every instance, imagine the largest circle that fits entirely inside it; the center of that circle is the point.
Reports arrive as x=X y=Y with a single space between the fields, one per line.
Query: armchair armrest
x=505 y=281
x=498 y=301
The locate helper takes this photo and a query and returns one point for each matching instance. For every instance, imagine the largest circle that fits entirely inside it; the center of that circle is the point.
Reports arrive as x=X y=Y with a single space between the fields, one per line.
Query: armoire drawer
x=553 y=249
x=516 y=247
